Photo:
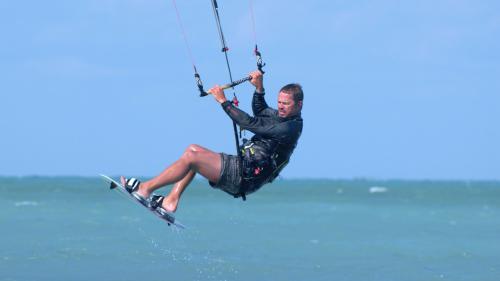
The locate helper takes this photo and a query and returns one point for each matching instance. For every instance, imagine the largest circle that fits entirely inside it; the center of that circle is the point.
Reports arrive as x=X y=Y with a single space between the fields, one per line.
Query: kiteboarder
x=276 y=132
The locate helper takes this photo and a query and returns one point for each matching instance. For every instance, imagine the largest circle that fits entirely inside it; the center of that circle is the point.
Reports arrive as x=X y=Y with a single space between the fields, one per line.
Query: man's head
x=290 y=100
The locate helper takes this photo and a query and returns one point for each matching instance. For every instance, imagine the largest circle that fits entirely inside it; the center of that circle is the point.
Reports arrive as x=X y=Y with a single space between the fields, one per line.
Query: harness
x=252 y=167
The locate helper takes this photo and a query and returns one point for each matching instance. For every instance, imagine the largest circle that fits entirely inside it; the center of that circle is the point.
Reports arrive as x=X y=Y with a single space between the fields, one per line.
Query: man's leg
x=172 y=199
x=195 y=159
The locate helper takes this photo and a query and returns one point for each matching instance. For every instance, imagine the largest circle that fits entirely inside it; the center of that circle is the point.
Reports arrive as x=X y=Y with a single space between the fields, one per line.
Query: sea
x=74 y=228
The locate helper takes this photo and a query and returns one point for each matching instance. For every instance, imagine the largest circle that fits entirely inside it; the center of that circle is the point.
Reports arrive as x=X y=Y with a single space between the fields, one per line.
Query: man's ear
x=299 y=104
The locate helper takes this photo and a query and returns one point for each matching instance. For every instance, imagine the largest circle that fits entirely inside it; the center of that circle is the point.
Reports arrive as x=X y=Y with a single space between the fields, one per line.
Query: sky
x=393 y=89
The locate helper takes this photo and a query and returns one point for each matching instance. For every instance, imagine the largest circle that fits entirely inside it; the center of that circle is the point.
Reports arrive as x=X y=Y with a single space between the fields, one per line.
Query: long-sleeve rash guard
x=274 y=137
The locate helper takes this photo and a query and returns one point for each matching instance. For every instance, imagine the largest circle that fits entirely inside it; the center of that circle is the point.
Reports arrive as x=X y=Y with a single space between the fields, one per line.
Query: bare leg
x=195 y=159
x=172 y=200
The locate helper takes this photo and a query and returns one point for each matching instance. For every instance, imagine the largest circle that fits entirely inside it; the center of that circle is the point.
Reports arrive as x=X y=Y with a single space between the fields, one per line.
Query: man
x=263 y=157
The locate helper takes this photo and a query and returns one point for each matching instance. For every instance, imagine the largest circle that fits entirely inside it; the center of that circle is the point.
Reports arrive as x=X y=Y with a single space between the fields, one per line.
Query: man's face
x=287 y=106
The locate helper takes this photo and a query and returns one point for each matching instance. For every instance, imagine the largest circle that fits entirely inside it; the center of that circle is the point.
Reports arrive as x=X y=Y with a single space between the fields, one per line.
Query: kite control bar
x=225 y=86
x=260 y=65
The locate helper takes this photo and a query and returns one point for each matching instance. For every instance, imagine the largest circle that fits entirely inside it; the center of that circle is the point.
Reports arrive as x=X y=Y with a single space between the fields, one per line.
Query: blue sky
x=393 y=89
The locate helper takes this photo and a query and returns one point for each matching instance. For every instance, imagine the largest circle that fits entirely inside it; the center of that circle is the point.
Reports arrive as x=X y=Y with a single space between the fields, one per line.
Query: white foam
x=26 y=203
x=378 y=189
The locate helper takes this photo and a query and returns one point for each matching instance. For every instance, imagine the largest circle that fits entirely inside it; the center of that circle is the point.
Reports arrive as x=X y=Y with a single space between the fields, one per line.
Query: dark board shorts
x=230 y=174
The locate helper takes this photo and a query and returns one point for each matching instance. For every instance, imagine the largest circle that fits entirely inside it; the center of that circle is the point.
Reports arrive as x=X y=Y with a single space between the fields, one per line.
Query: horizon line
x=357 y=178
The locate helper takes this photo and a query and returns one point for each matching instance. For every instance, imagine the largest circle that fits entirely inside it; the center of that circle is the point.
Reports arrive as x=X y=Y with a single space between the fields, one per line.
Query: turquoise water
x=77 y=229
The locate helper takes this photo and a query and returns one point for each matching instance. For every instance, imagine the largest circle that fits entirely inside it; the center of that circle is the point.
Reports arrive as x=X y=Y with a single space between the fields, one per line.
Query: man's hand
x=218 y=94
x=257 y=80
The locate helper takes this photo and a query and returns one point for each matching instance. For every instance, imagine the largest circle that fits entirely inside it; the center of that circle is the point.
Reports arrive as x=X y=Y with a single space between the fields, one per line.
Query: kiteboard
x=160 y=212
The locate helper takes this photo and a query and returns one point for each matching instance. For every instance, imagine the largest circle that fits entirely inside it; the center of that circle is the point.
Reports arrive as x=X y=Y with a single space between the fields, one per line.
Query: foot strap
x=155 y=204
x=156 y=201
x=132 y=184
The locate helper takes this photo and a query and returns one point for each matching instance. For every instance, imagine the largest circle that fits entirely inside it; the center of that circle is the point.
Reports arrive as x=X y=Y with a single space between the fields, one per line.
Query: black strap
x=241 y=194
x=243 y=186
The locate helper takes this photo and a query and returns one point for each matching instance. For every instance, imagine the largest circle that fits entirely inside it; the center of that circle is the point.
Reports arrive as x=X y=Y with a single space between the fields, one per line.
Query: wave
x=378 y=189
x=26 y=203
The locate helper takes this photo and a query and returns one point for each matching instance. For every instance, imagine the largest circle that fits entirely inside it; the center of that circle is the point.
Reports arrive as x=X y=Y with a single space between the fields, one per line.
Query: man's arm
x=266 y=127
x=259 y=105
x=257 y=125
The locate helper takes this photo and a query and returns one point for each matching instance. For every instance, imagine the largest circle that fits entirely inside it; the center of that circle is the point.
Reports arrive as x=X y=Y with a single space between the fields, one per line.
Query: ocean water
x=78 y=229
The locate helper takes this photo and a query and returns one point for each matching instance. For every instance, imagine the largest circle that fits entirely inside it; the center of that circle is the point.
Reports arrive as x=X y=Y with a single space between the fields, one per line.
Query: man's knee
x=192 y=151
x=194 y=148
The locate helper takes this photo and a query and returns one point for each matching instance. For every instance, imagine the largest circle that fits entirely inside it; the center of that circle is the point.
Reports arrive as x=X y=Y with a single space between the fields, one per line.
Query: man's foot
x=170 y=204
x=139 y=190
x=164 y=203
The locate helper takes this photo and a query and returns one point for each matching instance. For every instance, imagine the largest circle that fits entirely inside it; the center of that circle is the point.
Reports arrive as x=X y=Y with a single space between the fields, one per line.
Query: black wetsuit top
x=269 y=150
